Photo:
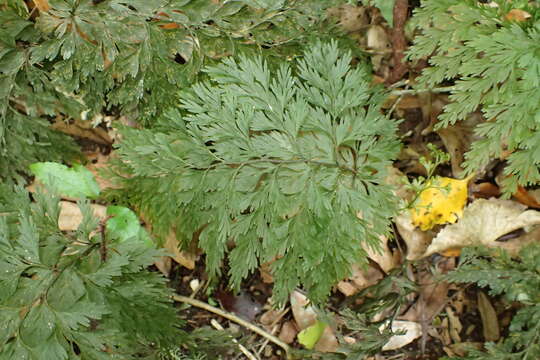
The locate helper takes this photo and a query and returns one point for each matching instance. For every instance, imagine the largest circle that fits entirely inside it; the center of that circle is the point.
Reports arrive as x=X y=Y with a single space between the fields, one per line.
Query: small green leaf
x=125 y=225
x=387 y=10
x=75 y=182
x=310 y=335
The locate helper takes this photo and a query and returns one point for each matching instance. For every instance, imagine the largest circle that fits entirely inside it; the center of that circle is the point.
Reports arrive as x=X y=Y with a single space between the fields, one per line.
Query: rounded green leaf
x=124 y=225
x=75 y=182
x=310 y=335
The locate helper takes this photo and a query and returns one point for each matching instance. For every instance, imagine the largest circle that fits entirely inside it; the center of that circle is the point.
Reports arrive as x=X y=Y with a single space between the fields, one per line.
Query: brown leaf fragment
x=523 y=196
x=359 y=280
x=83 y=129
x=517 y=15
x=484 y=190
x=288 y=332
x=455 y=326
x=490 y=323
x=42 y=5
x=183 y=258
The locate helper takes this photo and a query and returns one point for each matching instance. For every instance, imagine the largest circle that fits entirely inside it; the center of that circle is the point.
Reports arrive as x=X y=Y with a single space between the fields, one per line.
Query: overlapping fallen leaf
x=484 y=222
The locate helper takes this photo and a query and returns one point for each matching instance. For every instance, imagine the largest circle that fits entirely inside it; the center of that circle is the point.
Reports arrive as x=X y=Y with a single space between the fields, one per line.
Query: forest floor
x=441 y=318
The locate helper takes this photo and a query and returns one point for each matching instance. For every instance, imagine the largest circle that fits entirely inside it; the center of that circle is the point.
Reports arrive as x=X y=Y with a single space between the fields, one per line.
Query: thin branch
x=232 y=317
x=242 y=348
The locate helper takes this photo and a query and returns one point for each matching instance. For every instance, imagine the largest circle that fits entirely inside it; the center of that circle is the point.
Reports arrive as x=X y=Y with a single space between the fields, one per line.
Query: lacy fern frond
x=75 y=295
x=286 y=164
x=79 y=59
x=495 y=63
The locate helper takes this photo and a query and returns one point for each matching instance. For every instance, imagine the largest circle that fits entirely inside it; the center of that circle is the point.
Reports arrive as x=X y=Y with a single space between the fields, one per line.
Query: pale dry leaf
x=303 y=314
x=385 y=257
x=183 y=258
x=485 y=221
x=413 y=332
x=455 y=325
x=71 y=216
x=417 y=241
x=490 y=323
x=164 y=265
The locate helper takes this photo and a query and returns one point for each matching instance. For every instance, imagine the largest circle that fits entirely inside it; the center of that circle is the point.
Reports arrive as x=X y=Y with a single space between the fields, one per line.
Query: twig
x=232 y=317
x=242 y=348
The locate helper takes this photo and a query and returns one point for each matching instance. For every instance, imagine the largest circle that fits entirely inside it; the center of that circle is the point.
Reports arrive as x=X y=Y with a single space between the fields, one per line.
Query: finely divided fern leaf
x=281 y=165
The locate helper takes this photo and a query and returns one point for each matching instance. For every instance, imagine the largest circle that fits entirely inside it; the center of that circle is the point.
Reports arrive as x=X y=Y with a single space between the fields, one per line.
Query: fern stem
x=278 y=161
x=232 y=317
x=443 y=89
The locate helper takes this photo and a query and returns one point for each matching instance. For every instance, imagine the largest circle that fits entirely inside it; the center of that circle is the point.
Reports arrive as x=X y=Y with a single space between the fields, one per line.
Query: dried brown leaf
x=490 y=323
x=484 y=222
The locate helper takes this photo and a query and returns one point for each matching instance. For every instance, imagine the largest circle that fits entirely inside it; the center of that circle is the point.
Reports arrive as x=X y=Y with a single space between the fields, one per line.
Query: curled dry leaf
x=386 y=259
x=417 y=241
x=486 y=221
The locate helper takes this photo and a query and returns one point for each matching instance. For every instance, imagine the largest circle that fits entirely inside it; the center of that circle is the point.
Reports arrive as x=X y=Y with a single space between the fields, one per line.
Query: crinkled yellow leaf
x=441 y=202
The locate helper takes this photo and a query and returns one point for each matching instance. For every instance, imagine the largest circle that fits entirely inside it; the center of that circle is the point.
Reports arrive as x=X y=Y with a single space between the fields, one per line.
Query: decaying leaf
x=288 y=332
x=490 y=323
x=359 y=280
x=485 y=222
x=440 y=203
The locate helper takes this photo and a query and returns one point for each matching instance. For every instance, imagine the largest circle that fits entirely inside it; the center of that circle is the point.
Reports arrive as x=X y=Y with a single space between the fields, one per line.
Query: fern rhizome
x=282 y=165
